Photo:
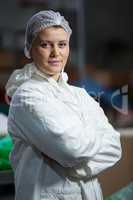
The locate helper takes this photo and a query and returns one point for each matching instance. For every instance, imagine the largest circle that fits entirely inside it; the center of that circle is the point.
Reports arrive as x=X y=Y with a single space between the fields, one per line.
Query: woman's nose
x=55 y=52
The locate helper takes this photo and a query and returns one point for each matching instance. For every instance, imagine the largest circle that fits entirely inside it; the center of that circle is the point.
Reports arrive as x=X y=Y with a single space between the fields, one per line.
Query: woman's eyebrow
x=41 y=40
x=63 y=41
x=48 y=41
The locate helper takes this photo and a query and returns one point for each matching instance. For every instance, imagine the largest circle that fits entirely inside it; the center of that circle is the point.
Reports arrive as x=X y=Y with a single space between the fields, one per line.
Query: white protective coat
x=49 y=119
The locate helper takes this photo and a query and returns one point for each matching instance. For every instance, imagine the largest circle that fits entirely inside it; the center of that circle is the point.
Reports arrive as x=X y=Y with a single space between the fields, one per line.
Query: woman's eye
x=44 y=45
x=62 y=45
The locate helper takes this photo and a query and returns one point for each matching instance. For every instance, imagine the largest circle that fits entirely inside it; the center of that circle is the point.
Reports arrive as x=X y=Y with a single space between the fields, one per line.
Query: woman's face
x=50 y=50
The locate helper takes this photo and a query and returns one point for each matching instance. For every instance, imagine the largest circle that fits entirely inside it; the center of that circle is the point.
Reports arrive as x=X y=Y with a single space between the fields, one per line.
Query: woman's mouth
x=54 y=62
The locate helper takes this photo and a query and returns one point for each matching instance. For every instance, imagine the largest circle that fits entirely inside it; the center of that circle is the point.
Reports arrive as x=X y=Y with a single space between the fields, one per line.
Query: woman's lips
x=54 y=62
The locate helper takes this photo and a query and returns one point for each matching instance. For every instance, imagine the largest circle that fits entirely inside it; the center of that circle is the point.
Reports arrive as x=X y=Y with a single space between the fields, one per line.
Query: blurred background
x=101 y=61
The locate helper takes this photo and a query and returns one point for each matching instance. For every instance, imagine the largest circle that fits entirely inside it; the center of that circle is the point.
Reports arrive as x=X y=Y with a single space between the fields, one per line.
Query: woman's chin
x=55 y=71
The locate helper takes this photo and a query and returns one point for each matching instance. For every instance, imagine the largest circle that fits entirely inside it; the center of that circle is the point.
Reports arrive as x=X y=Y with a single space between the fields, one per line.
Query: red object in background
x=7 y=99
x=3 y=97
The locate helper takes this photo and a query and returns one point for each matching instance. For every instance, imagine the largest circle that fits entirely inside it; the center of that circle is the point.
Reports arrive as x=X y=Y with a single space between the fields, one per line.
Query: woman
x=62 y=139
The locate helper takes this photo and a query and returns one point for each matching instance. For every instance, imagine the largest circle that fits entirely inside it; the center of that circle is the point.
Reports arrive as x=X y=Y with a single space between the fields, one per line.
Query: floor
x=7 y=192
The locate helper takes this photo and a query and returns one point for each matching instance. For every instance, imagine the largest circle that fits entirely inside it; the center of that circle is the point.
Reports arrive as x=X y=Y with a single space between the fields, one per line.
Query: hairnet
x=39 y=21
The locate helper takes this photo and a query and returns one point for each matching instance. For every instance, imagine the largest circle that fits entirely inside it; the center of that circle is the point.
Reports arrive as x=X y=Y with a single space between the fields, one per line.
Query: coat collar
x=19 y=76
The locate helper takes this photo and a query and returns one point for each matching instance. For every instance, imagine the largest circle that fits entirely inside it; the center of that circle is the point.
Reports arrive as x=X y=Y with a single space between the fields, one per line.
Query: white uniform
x=66 y=124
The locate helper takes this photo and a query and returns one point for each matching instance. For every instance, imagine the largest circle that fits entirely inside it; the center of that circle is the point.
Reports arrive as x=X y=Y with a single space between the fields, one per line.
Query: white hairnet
x=39 y=21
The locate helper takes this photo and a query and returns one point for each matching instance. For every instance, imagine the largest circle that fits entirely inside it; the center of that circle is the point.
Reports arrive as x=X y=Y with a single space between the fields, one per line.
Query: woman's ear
x=31 y=57
x=69 y=58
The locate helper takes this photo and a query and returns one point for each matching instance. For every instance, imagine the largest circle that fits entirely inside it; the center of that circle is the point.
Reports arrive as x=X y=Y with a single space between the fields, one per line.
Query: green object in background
x=4 y=108
x=125 y=193
x=6 y=146
x=4 y=164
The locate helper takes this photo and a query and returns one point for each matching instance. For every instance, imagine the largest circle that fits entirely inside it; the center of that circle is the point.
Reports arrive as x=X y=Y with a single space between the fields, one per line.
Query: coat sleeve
x=110 y=150
x=51 y=126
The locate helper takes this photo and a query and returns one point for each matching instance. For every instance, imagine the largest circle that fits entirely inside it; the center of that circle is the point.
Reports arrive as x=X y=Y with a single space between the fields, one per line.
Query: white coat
x=67 y=125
